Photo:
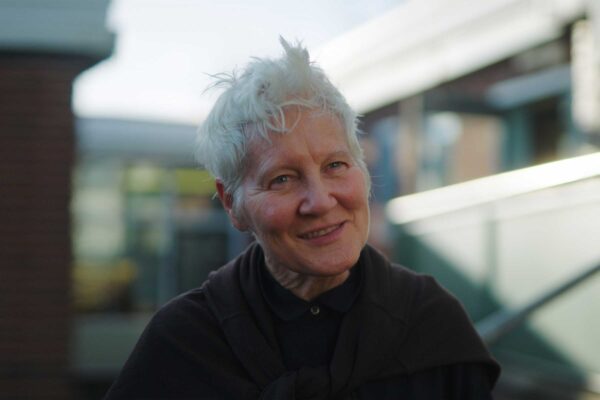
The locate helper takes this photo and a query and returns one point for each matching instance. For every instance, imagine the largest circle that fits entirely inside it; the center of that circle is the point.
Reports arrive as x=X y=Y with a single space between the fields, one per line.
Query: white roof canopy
x=423 y=43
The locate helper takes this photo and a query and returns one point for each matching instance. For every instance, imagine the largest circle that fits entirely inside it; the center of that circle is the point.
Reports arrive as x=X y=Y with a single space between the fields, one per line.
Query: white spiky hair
x=253 y=104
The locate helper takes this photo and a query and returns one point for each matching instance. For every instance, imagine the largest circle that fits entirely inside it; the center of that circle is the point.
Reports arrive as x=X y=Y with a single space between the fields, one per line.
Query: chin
x=333 y=267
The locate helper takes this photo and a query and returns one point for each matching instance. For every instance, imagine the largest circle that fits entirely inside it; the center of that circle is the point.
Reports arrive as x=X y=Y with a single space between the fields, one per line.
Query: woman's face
x=305 y=198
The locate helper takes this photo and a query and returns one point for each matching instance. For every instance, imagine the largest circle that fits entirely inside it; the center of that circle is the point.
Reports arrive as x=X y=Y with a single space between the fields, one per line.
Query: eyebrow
x=340 y=153
x=262 y=171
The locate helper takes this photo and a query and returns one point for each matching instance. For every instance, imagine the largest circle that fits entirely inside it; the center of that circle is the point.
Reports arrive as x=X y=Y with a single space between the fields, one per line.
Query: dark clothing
x=307 y=331
x=403 y=338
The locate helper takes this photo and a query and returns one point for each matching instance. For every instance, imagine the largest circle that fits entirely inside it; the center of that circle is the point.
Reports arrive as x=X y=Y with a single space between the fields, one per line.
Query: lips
x=320 y=232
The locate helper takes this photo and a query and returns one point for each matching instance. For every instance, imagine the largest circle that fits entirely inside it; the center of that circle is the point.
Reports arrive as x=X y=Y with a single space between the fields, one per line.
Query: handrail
x=494 y=327
x=490 y=189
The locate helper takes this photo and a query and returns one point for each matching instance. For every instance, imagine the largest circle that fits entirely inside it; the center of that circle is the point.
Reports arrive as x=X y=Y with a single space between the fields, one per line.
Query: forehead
x=306 y=130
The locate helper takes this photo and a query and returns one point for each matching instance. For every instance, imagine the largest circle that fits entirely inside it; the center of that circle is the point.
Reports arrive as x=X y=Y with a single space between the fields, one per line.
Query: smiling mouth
x=320 y=232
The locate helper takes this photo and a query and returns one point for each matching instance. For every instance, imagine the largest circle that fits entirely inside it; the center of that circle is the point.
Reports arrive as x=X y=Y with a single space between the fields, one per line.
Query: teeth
x=320 y=232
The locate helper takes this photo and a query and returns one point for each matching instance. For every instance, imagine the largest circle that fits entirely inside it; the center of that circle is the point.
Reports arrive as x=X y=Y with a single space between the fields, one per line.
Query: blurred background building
x=481 y=125
x=43 y=47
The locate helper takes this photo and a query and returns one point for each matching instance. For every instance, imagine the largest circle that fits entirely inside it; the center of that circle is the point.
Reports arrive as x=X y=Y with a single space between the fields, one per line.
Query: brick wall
x=36 y=156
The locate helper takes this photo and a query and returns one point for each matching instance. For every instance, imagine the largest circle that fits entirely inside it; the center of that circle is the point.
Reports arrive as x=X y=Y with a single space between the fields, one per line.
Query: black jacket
x=405 y=337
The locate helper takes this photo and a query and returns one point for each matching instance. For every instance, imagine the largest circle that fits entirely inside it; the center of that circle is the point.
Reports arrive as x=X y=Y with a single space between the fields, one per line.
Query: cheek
x=271 y=216
x=354 y=191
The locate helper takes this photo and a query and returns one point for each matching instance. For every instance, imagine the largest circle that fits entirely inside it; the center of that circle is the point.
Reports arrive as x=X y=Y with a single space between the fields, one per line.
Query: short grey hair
x=253 y=104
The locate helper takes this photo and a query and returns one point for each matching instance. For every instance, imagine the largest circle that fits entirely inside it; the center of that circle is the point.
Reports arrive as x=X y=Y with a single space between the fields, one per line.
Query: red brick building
x=43 y=47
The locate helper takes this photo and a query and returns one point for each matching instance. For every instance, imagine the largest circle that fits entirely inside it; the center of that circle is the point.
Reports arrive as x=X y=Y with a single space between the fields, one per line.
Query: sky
x=166 y=50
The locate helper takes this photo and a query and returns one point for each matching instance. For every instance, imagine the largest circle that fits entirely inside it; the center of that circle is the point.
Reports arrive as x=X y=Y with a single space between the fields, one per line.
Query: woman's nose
x=318 y=198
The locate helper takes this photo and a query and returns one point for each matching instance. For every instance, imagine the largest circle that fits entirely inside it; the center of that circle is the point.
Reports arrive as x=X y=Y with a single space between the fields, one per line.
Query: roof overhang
x=57 y=26
x=421 y=44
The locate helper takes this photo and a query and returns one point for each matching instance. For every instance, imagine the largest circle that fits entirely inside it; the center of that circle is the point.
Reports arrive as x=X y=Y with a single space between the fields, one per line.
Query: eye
x=337 y=166
x=279 y=181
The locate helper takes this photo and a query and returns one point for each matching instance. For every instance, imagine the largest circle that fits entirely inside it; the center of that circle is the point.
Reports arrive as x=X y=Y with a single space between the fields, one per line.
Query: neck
x=306 y=287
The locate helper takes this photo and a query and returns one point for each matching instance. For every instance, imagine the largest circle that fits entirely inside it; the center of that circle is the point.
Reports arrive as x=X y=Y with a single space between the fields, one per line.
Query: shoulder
x=172 y=349
x=432 y=312
x=181 y=326
x=185 y=310
x=405 y=293
x=426 y=298
x=438 y=330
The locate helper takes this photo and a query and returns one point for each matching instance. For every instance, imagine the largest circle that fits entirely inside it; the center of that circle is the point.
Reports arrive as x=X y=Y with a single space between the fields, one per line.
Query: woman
x=309 y=311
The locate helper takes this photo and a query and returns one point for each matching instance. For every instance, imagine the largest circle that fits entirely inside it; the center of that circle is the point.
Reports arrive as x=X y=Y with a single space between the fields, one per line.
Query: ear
x=227 y=202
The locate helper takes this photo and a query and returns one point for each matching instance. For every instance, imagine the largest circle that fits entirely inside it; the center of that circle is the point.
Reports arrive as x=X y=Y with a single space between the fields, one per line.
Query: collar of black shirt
x=287 y=306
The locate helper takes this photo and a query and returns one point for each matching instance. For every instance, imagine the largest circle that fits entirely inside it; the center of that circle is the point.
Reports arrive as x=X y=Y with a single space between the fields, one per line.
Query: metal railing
x=494 y=327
